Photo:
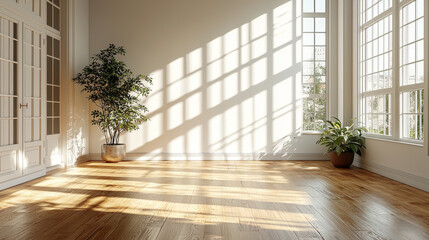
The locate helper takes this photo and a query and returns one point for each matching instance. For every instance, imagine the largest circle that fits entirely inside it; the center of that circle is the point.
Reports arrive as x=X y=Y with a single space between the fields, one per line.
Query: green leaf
x=339 y=138
x=117 y=93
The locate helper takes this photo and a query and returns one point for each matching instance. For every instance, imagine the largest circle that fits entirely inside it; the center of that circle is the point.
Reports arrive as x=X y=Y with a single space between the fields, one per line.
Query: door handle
x=23 y=105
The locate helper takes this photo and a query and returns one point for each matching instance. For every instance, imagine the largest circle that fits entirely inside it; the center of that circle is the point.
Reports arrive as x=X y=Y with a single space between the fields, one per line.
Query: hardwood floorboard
x=200 y=200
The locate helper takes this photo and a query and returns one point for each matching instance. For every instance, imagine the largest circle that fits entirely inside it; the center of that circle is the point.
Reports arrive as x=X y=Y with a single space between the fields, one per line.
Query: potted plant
x=117 y=93
x=342 y=142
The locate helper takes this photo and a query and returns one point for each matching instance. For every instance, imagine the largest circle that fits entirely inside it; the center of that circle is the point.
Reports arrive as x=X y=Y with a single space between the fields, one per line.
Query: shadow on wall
x=227 y=76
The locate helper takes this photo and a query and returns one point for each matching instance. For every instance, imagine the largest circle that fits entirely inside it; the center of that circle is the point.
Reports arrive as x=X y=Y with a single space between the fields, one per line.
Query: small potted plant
x=342 y=142
x=117 y=93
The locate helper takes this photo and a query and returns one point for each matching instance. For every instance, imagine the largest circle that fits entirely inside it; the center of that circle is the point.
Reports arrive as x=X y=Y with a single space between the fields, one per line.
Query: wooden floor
x=213 y=200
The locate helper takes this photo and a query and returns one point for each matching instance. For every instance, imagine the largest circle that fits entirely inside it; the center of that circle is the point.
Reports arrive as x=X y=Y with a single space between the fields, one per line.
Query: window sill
x=311 y=133
x=386 y=139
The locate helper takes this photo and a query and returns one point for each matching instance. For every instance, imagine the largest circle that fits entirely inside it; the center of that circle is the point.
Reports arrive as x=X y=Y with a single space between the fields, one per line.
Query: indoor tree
x=117 y=93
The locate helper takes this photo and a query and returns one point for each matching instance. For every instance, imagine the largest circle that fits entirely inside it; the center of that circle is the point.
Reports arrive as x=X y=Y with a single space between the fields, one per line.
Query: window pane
x=314 y=68
x=308 y=6
x=376 y=57
x=320 y=24
x=370 y=9
x=308 y=24
x=412 y=114
x=377 y=114
x=320 y=6
x=320 y=39
x=411 y=47
x=308 y=53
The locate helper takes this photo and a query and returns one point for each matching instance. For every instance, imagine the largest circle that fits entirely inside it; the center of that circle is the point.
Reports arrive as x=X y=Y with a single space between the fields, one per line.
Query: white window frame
x=396 y=89
x=325 y=15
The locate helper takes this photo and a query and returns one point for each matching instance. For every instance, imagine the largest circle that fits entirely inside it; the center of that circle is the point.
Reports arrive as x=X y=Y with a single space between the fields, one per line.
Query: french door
x=21 y=100
x=31 y=103
x=10 y=116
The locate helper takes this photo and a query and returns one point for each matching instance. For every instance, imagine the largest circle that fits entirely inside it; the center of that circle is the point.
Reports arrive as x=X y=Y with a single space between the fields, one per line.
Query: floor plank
x=213 y=200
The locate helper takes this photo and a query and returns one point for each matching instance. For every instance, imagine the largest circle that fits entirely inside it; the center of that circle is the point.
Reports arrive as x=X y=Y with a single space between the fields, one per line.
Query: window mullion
x=395 y=72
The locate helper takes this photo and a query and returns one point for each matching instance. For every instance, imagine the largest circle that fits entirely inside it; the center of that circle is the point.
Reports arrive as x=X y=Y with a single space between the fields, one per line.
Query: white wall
x=226 y=77
x=75 y=106
x=403 y=162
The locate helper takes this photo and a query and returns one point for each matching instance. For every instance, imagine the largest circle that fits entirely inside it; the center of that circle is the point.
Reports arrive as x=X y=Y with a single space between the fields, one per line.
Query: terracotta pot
x=113 y=153
x=343 y=161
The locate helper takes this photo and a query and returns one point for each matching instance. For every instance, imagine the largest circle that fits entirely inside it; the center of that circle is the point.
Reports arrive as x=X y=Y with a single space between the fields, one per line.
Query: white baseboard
x=395 y=174
x=218 y=156
x=51 y=168
x=22 y=179
x=294 y=156
x=82 y=159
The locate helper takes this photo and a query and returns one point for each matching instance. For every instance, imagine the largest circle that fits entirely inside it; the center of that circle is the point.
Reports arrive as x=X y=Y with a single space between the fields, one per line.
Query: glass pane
x=308 y=68
x=49 y=126
x=49 y=109
x=320 y=53
x=420 y=72
x=56 y=72
x=308 y=79
x=56 y=126
x=376 y=115
x=49 y=46
x=320 y=89
x=49 y=70
x=320 y=105
x=408 y=13
x=308 y=24
x=420 y=8
x=320 y=24
x=49 y=18
x=308 y=105
x=320 y=68
x=56 y=109
x=320 y=39
x=56 y=18
x=308 y=89
x=56 y=94
x=56 y=48
x=308 y=38
x=320 y=6
x=308 y=53
x=308 y=6
x=412 y=114
x=49 y=96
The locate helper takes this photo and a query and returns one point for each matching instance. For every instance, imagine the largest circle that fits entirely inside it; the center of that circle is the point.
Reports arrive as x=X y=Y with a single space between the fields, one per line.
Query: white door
x=10 y=165
x=32 y=104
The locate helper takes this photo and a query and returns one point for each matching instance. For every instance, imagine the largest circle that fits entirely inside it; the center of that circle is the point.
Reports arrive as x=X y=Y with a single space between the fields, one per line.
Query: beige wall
x=226 y=76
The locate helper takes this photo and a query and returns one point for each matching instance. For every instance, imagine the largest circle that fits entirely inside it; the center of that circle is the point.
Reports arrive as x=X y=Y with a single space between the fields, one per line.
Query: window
x=411 y=69
x=314 y=53
x=53 y=68
x=391 y=66
x=376 y=76
x=53 y=14
x=53 y=86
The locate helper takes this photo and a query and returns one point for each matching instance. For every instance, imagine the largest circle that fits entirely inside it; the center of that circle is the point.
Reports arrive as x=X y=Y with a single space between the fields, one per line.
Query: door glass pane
x=32 y=47
x=8 y=82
